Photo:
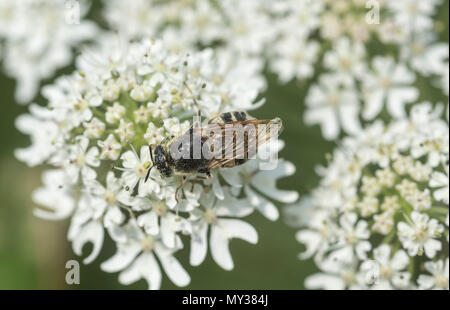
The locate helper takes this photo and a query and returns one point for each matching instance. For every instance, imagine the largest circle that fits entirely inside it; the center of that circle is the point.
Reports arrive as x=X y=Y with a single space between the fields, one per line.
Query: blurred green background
x=33 y=252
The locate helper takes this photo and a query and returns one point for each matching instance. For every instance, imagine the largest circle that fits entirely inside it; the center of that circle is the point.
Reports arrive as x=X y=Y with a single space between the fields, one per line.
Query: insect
x=227 y=140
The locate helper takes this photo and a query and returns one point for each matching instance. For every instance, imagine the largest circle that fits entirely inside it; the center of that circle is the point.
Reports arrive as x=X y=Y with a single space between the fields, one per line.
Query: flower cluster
x=380 y=217
x=371 y=62
x=95 y=132
x=240 y=26
x=324 y=41
x=38 y=37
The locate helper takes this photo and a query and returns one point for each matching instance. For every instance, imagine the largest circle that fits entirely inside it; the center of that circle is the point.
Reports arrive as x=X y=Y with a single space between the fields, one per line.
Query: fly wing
x=237 y=140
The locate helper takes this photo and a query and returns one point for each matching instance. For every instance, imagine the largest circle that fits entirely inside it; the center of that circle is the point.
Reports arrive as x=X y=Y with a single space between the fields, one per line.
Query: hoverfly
x=221 y=145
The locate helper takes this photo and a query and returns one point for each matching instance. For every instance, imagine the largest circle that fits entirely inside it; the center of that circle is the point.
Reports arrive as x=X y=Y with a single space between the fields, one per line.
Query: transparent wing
x=235 y=141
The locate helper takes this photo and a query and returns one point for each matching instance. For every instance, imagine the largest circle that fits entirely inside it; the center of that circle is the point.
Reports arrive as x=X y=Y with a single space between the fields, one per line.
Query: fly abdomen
x=230 y=117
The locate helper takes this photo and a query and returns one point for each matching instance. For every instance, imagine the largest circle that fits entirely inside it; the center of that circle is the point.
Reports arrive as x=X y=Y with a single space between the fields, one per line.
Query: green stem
x=439 y=210
x=389 y=237
x=100 y=115
x=411 y=266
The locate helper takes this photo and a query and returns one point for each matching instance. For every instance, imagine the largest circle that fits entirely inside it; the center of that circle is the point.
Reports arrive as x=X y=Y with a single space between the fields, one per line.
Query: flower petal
x=124 y=256
x=176 y=273
x=91 y=232
x=199 y=245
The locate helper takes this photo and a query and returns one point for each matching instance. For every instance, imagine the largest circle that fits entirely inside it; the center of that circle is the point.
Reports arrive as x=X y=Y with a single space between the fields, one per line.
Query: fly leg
x=153 y=163
x=207 y=175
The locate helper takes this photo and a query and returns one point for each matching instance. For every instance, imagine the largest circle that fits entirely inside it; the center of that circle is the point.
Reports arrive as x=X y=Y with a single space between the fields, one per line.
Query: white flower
x=420 y=235
x=135 y=169
x=81 y=160
x=300 y=18
x=352 y=238
x=125 y=131
x=320 y=232
x=142 y=92
x=337 y=275
x=391 y=83
x=142 y=114
x=204 y=21
x=257 y=185
x=106 y=201
x=160 y=220
x=142 y=17
x=84 y=228
x=440 y=181
x=375 y=211
x=110 y=148
x=414 y=15
x=425 y=56
x=248 y=29
x=44 y=141
x=136 y=258
x=56 y=196
x=39 y=39
x=346 y=60
x=391 y=272
x=114 y=113
x=154 y=135
x=222 y=231
x=294 y=58
x=142 y=97
x=439 y=276
x=94 y=129
x=333 y=105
